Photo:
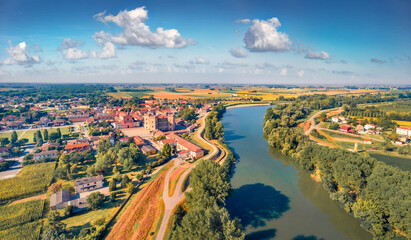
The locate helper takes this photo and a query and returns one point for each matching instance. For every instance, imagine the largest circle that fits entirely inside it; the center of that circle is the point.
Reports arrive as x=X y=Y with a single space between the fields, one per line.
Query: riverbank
x=247 y=105
x=270 y=190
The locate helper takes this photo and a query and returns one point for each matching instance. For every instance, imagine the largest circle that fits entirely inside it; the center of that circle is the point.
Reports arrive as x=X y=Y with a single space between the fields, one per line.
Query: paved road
x=171 y=202
x=17 y=166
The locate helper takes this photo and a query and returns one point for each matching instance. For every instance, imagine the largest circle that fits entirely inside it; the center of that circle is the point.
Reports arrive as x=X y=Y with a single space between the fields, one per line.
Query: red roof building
x=78 y=147
x=345 y=128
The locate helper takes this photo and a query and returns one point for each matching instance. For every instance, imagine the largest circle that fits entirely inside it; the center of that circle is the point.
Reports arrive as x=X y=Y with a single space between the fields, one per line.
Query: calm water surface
x=273 y=198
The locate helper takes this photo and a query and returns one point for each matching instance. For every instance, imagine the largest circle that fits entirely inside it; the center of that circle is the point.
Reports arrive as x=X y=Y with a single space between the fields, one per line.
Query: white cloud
x=238 y=53
x=71 y=52
x=136 y=32
x=108 y=48
x=245 y=21
x=313 y=55
x=263 y=36
x=300 y=73
x=283 y=72
x=20 y=55
x=199 y=60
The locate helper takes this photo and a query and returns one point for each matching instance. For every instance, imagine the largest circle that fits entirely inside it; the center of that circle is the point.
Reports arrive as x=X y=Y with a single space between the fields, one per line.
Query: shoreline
x=248 y=105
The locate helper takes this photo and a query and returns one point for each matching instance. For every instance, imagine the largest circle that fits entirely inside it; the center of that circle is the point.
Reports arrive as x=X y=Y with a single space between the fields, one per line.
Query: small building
x=59 y=199
x=369 y=127
x=45 y=154
x=89 y=183
x=78 y=147
x=335 y=119
x=5 y=151
x=148 y=150
x=345 y=128
x=360 y=129
x=406 y=131
x=139 y=141
x=124 y=139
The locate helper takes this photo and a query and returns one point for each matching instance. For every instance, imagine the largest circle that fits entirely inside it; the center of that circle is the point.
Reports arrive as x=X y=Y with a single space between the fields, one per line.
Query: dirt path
x=42 y=196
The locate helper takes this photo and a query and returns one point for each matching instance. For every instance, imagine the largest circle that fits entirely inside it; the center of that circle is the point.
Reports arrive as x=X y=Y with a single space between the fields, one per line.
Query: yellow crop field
x=404 y=123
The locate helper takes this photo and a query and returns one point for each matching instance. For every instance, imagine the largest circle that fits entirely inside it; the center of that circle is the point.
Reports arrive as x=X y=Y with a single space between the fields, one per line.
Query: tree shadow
x=255 y=203
x=261 y=235
x=231 y=136
x=302 y=237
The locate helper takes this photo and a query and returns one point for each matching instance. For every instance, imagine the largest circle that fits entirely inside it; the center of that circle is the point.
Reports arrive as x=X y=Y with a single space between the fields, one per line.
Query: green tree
x=125 y=181
x=13 y=137
x=68 y=211
x=45 y=135
x=112 y=185
x=208 y=223
x=166 y=151
x=59 y=132
x=95 y=200
x=4 y=141
x=130 y=187
x=209 y=184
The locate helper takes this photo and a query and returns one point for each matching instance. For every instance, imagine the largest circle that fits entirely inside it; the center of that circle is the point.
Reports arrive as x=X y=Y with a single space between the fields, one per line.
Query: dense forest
x=373 y=192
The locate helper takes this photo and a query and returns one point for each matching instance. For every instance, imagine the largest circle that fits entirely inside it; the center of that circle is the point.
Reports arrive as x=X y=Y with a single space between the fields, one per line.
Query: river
x=272 y=196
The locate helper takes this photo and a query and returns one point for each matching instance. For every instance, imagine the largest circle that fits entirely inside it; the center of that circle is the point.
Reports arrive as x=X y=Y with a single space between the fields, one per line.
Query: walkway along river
x=272 y=196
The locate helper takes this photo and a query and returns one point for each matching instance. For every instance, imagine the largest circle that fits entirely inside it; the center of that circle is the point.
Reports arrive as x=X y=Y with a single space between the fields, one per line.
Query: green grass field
x=400 y=162
x=29 y=134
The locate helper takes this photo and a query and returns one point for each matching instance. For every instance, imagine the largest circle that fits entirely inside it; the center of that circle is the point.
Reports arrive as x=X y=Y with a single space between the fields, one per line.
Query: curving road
x=171 y=202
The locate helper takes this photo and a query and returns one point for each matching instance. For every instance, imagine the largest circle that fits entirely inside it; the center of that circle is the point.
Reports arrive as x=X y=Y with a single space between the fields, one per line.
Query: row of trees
x=373 y=192
x=213 y=126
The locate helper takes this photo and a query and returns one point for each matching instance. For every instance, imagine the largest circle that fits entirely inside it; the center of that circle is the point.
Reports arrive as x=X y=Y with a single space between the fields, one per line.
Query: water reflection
x=261 y=235
x=256 y=203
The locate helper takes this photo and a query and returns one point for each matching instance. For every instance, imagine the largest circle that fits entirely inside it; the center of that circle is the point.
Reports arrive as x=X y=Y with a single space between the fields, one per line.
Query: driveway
x=17 y=166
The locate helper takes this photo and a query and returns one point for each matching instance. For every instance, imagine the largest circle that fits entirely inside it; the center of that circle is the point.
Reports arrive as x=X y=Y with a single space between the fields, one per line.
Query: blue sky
x=215 y=41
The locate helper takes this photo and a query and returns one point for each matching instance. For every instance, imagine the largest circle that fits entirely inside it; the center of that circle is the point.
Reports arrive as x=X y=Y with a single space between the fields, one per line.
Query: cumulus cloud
x=20 y=55
x=199 y=60
x=238 y=53
x=300 y=73
x=136 y=32
x=71 y=52
x=377 y=60
x=108 y=48
x=313 y=55
x=245 y=21
x=263 y=36
x=283 y=72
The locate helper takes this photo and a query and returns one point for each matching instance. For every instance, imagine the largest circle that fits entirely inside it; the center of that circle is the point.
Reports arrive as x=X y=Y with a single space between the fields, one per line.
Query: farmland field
x=404 y=123
x=21 y=220
x=402 y=106
x=33 y=179
x=399 y=162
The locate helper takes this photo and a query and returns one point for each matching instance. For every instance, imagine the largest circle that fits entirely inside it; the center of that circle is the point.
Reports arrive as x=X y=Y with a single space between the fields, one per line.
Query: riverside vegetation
x=204 y=216
x=373 y=192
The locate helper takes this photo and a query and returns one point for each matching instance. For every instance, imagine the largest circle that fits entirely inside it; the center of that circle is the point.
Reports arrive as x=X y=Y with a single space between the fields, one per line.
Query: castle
x=162 y=122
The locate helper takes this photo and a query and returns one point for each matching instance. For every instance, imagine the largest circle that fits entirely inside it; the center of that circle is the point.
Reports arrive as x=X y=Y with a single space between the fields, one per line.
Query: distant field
x=119 y=95
x=404 y=123
x=29 y=134
x=401 y=106
x=400 y=162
